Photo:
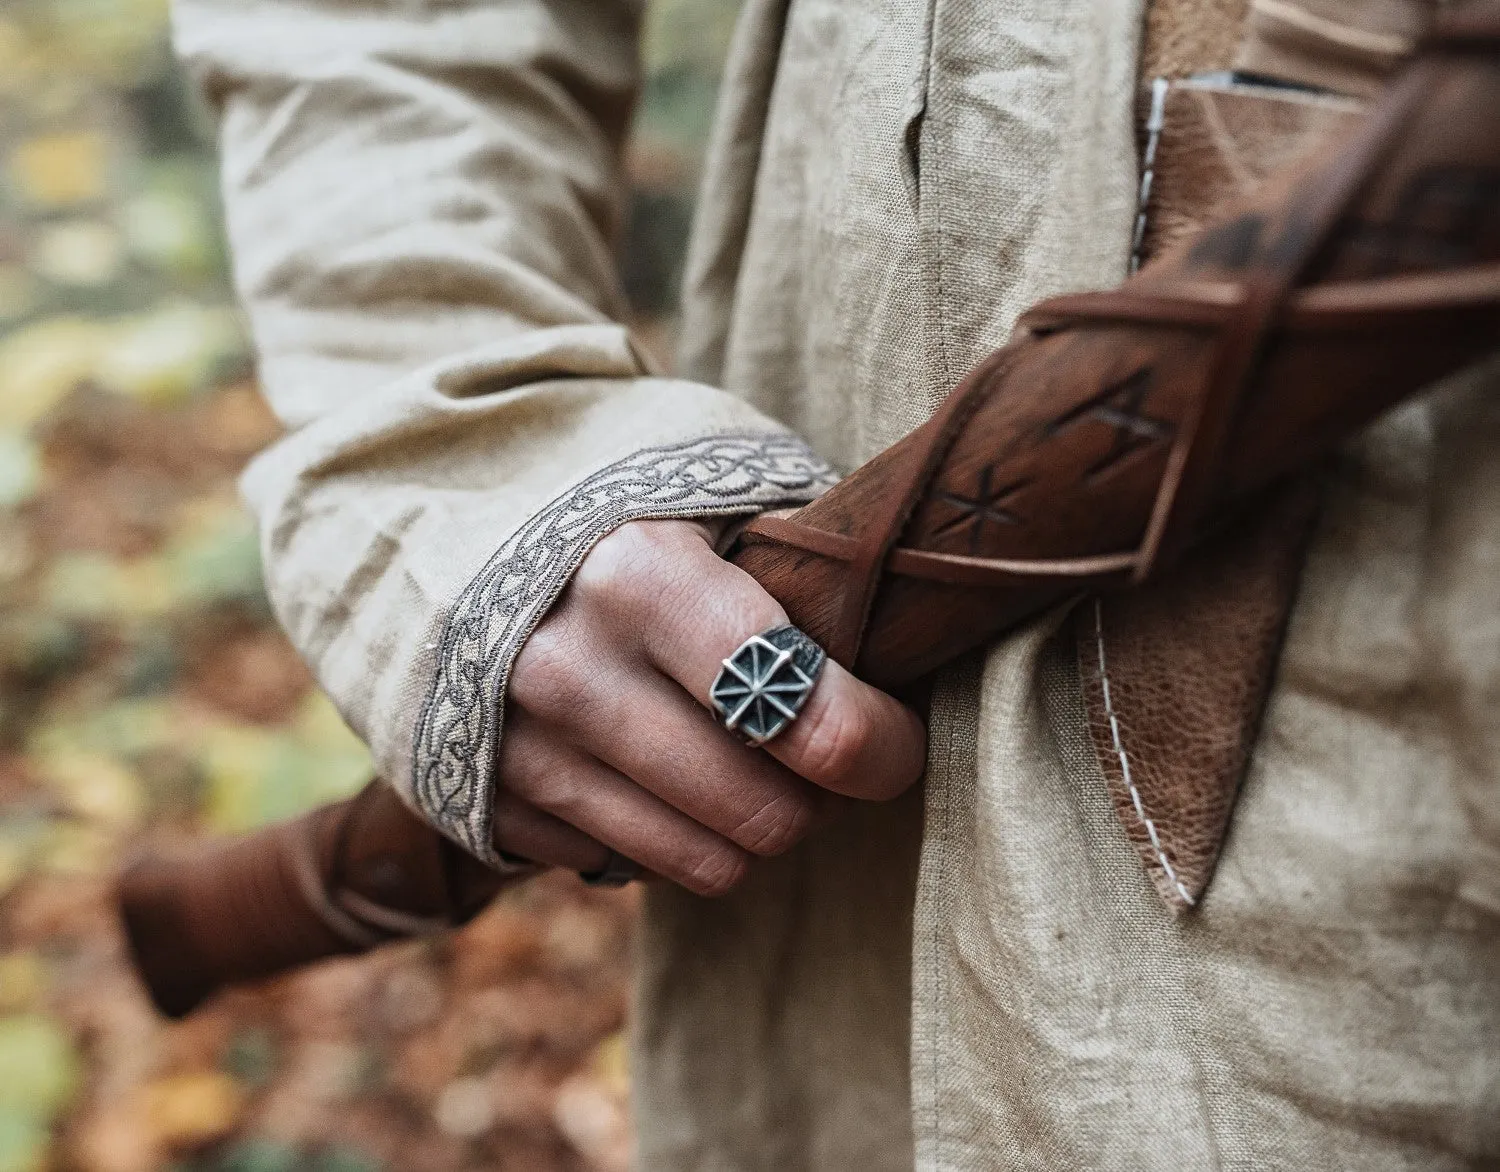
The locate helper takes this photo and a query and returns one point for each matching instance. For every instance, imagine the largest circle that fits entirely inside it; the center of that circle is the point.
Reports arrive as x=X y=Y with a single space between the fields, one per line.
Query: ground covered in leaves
x=147 y=697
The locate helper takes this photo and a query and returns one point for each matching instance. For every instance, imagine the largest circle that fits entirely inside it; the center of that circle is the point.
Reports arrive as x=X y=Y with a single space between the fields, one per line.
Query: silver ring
x=616 y=872
x=761 y=687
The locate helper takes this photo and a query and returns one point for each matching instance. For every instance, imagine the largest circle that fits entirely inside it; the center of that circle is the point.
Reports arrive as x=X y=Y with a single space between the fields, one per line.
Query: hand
x=610 y=742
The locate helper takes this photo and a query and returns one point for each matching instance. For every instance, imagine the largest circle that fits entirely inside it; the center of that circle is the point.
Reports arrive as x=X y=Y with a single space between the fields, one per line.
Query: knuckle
x=753 y=611
x=604 y=565
x=661 y=577
x=835 y=738
x=776 y=827
x=551 y=677
x=716 y=872
x=621 y=574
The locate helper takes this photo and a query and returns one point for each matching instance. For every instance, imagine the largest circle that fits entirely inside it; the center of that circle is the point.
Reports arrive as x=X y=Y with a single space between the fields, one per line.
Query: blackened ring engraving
x=762 y=687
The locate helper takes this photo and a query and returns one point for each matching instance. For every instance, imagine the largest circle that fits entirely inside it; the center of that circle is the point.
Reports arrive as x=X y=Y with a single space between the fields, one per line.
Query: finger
x=849 y=737
x=854 y=739
x=643 y=725
x=524 y=831
x=581 y=791
x=664 y=590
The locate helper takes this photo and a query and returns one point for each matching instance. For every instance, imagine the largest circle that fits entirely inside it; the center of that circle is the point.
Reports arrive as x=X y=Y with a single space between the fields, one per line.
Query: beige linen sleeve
x=422 y=197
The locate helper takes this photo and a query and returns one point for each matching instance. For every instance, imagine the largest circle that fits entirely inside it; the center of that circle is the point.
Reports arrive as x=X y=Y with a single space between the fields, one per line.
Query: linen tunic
x=422 y=198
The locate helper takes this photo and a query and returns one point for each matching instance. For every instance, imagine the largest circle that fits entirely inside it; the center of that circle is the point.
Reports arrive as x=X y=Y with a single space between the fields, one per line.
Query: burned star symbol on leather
x=1121 y=406
x=764 y=684
x=983 y=508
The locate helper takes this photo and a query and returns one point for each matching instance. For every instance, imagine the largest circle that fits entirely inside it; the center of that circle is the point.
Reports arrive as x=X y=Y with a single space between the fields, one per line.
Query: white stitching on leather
x=1135 y=794
x=1154 y=124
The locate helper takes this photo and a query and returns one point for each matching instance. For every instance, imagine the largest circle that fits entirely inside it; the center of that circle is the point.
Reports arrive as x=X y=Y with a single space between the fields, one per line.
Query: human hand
x=610 y=743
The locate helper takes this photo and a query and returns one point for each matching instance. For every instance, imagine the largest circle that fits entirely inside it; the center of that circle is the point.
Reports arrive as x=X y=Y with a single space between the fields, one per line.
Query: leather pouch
x=1175 y=675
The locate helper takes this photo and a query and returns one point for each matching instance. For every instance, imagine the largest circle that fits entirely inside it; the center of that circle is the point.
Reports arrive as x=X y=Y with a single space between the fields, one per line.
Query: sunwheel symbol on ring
x=763 y=685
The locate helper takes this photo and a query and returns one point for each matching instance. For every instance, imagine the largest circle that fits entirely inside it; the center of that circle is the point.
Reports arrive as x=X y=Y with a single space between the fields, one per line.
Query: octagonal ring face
x=762 y=687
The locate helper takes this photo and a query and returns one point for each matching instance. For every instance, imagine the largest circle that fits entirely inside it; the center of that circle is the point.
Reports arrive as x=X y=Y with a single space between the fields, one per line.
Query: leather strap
x=1242 y=317
x=1264 y=285
x=1240 y=314
x=346 y=878
x=909 y=479
x=1183 y=497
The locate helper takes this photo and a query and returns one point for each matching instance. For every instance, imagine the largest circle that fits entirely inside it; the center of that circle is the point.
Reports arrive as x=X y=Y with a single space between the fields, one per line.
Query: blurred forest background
x=146 y=695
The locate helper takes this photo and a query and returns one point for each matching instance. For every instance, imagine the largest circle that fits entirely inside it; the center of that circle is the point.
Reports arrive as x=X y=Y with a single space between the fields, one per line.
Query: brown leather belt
x=1115 y=432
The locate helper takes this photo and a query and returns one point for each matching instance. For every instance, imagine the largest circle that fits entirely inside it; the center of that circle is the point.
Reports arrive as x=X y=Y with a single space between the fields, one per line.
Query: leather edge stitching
x=1119 y=747
x=1155 y=121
